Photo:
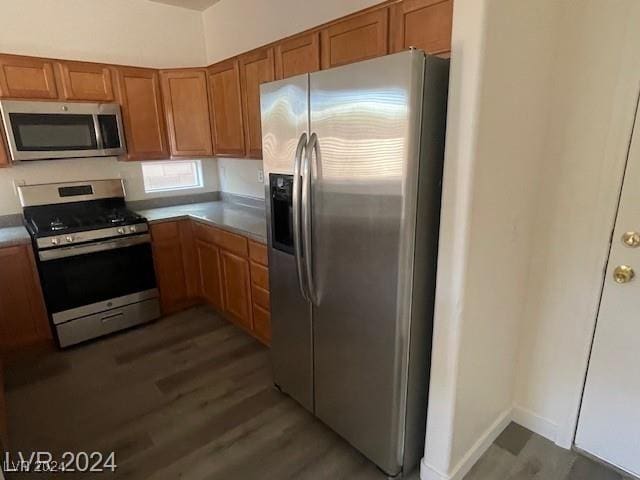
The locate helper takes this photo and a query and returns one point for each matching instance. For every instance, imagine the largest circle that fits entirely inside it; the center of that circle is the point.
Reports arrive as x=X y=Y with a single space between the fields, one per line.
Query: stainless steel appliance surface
x=353 y=162
x=94 y=258
x=41 y=130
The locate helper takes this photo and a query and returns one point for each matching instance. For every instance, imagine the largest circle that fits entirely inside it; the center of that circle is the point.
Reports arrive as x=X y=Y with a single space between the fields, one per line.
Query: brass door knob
x=623 y=274
x=631 y=239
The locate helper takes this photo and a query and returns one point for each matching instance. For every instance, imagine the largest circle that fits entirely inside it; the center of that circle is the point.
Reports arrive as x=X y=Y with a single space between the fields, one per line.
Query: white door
x=609 y=425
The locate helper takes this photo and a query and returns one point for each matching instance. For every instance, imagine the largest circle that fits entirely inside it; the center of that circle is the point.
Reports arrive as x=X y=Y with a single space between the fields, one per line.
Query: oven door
x=86 y=279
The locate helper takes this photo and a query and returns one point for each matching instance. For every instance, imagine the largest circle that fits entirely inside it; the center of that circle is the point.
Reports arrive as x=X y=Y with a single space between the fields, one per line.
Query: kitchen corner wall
x=129 y=32
x=502 y=53
x=232 y=27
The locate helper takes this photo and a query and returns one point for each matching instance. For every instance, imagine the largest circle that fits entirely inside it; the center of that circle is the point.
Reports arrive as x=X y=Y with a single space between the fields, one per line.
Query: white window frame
x=199 y=177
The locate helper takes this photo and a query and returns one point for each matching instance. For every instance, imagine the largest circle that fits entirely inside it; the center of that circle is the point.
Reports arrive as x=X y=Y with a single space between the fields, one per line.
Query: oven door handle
x=53 y=254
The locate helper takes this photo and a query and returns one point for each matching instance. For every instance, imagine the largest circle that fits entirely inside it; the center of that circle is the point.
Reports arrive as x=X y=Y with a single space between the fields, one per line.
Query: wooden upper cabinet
x=356 y=38
x=255 y=68
x=141 y=103
x=226 y=108
x=4 y=153
x=86 y=81
x=424 y=24
x=186 y=106
x=298 y=55
x=27 y=77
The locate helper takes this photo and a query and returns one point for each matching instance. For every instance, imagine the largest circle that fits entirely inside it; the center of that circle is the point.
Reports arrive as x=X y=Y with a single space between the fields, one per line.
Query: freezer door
x=285 y=119
x=366 y=117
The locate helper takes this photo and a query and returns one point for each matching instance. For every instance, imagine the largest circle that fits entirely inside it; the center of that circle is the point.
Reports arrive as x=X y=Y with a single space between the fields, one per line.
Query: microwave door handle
x=98 y=130
x=295 y=201
x=312 y=147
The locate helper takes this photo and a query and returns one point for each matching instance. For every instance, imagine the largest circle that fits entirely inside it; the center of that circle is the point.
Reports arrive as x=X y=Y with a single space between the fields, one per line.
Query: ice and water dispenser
x=281 y=187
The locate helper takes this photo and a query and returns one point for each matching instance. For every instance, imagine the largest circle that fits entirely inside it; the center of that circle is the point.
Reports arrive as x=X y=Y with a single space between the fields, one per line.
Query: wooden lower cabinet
x=210 y=272
x=23 y=319
x=173 y=259
x=228 y=272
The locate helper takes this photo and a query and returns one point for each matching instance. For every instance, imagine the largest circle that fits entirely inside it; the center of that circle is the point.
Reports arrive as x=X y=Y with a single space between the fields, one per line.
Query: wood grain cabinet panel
x=86 y=81
x=226 y=108
x=255 y=68
x=258 y=253
x=298 y=55
x=141 y=103
x=357 y=38
x=210 y=273
x=27 y=77
x=260 y=276
x=262 y=324
x=23 y=316
x=4 y=152
x=237 y=288
x=169 y=265
x=424 y=24
x=186 y=105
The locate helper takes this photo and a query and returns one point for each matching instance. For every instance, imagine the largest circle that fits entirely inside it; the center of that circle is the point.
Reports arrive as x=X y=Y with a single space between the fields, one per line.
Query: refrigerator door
x=366 y=118
x=285 y=119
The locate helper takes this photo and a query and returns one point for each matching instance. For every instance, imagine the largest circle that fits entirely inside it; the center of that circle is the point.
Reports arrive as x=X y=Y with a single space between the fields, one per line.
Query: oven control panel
x=91 y=235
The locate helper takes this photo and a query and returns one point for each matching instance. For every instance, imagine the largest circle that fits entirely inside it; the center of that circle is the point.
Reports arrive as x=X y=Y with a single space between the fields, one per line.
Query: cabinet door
x=169 y=265
x=4 y=153
x=186 y=107
x=424 y=24
x=86 y=81
x=237 y=294
x=298 y=55
x=255 y=68
x=210 y=273
x=23 y=316
x=141 y=103
x=26 y=77
x=357 y=38
x=226 y=108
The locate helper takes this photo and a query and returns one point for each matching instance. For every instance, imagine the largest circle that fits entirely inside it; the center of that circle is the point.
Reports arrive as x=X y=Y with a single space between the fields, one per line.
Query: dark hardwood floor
x=191 y=397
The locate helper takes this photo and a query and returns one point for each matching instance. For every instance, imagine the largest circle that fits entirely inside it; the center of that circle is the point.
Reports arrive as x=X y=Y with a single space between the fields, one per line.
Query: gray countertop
x=236 y=218
x=10 y=236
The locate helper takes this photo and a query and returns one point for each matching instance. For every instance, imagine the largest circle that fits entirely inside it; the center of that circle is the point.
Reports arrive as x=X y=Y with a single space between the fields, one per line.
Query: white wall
x=237 y=26
x=89 y=169
x=596 y=83
x=497 y=117
x=133 y=32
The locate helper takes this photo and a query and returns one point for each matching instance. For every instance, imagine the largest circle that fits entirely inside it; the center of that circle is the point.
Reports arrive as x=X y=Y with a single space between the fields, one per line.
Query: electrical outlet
x=260 y=175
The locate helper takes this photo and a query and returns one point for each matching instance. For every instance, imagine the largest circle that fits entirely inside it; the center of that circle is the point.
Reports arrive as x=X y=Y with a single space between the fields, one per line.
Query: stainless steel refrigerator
x=353 y=165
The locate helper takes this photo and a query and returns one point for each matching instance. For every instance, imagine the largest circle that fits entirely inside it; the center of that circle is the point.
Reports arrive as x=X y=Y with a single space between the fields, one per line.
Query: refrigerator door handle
x=296 y=201
x=312 y=147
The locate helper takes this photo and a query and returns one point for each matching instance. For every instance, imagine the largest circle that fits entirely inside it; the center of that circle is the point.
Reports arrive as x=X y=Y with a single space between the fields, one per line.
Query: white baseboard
x=427 y=472
x=535 y=423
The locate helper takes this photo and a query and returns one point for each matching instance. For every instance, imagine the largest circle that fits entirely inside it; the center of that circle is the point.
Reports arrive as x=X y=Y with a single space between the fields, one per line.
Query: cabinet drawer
x=262 y=323
x=258 y=253
x=260 y=297
x=232 y=242
x=203 y=232
x=165 y=231
x=260 y=276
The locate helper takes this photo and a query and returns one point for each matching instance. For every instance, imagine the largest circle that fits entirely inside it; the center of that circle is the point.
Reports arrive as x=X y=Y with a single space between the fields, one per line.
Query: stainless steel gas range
x=94 y=258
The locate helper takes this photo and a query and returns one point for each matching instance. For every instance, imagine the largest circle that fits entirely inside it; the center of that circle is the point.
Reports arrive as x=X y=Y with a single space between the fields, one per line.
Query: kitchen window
x=170 y=176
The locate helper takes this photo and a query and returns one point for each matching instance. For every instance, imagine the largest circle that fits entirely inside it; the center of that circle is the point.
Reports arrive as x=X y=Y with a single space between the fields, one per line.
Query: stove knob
x=55 y=241
x=70 y=239
x=132 y=229
x=121 y=231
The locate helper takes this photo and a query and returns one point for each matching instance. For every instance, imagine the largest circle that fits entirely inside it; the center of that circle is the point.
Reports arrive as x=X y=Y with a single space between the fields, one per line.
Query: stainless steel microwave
x=39 y=130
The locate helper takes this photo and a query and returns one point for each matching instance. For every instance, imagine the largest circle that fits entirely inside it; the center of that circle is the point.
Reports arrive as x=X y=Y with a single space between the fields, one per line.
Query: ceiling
x=190 y=4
